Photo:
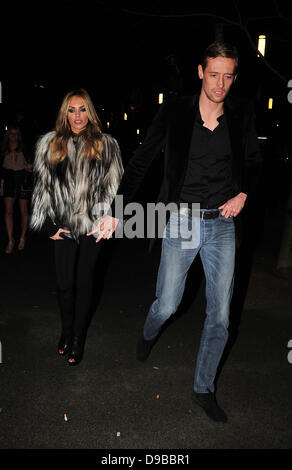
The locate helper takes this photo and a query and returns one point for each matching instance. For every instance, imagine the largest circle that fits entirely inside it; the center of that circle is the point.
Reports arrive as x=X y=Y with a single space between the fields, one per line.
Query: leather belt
x=209 y=215
x=200 y=213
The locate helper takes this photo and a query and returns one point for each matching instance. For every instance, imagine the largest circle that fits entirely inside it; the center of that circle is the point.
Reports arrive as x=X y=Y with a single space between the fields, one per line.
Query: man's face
x=217 y=78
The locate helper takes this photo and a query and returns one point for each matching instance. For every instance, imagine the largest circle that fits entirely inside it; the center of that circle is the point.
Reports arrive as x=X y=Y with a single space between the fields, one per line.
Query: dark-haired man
x=207 y=141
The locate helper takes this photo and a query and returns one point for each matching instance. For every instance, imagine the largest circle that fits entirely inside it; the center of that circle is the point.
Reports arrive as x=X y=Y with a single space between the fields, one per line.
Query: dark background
x=125 y=53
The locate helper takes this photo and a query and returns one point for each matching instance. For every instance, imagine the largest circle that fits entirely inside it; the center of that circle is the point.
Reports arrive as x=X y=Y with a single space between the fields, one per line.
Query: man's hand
x=105 y=228
x=233 y=206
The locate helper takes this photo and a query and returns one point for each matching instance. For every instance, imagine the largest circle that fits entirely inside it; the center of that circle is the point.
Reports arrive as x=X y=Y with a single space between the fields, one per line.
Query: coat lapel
x=235 y=123
x=180 y=135
x=184 y=123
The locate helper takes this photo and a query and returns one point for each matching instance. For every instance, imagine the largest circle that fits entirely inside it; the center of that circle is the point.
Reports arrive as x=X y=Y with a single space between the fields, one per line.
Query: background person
x=13 y=174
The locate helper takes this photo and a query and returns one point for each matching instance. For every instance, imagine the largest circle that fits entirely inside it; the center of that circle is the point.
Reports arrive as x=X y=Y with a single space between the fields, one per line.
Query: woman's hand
x=105 y=228
x=57 y=234
x=28 y=167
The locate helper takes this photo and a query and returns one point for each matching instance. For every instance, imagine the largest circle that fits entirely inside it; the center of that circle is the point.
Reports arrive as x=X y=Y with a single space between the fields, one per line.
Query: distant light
x=262 y=138
x=6 y=128
x=125 y=116
x=160 y=98
x=107 y=124
x=262 y=44
x=42 y=86
x=138 y=131
x=270 y=104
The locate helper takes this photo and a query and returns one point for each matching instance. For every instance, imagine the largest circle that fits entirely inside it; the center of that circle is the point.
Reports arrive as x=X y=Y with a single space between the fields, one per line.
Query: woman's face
x=77 y=114
x=13 y=136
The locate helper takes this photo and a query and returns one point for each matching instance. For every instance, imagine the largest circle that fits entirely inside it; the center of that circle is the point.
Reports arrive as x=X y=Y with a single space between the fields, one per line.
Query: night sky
x=123 y=53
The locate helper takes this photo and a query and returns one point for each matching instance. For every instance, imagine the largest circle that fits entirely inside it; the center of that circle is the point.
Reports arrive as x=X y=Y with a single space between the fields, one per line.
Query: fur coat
x=73 y=192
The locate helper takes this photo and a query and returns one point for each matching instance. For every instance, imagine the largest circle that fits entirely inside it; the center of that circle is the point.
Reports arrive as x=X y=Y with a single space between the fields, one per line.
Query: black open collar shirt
x=208 y=179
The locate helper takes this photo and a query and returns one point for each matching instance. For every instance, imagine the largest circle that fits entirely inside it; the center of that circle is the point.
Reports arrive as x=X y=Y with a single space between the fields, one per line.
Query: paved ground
x=113 y=402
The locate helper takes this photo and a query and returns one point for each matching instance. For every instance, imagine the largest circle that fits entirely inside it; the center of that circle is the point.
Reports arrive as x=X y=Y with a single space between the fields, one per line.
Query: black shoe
x=208 y=403
x=143 y=348
x=64 y=343
x=77 y=350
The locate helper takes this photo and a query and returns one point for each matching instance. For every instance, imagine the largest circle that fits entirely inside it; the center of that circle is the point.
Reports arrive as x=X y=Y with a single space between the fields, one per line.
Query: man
x=207 y=141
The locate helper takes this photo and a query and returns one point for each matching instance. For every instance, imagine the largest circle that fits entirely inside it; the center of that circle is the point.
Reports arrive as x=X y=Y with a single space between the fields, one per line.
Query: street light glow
x=160 y=98
x=262 y=44
x=270 y=104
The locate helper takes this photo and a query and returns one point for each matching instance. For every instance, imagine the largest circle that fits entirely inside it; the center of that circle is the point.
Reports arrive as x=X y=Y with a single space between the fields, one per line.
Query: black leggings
x=75 y=264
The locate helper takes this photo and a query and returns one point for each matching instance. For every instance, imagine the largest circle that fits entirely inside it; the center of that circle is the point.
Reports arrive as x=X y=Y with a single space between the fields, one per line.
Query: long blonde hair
x=5 y=148
x=91 y=136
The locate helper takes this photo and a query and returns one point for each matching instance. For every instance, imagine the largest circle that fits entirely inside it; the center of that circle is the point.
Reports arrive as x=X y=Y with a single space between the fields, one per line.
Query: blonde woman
x=77 y=172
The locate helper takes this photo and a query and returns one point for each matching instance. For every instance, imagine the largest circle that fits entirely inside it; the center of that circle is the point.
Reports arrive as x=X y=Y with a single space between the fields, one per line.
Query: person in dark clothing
x=14 y=170
x=77 y=172
x=208 y=140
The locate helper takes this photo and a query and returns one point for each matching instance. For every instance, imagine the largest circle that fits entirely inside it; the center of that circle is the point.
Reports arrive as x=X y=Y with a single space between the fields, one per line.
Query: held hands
x=107 y=225
x=57 y=234
x=233 y=206
x=105 y=228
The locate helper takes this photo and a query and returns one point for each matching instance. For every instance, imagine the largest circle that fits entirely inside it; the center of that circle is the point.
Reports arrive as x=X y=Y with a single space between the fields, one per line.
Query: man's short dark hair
x=220 y=49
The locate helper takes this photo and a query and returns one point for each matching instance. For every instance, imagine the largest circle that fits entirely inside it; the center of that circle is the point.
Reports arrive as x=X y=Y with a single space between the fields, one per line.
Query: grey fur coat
x=74 y=192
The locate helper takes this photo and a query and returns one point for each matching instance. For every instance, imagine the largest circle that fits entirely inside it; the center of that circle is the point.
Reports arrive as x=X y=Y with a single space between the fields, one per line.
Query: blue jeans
x=184 y=238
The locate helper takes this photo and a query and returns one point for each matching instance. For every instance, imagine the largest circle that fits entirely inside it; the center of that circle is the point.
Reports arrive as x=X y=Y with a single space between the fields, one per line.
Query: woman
x=13 y=174
x=77 y=172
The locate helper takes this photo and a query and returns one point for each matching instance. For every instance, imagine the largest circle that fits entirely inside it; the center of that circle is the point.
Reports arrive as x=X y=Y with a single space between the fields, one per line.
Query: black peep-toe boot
x=65 y=343
x=77 y=350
